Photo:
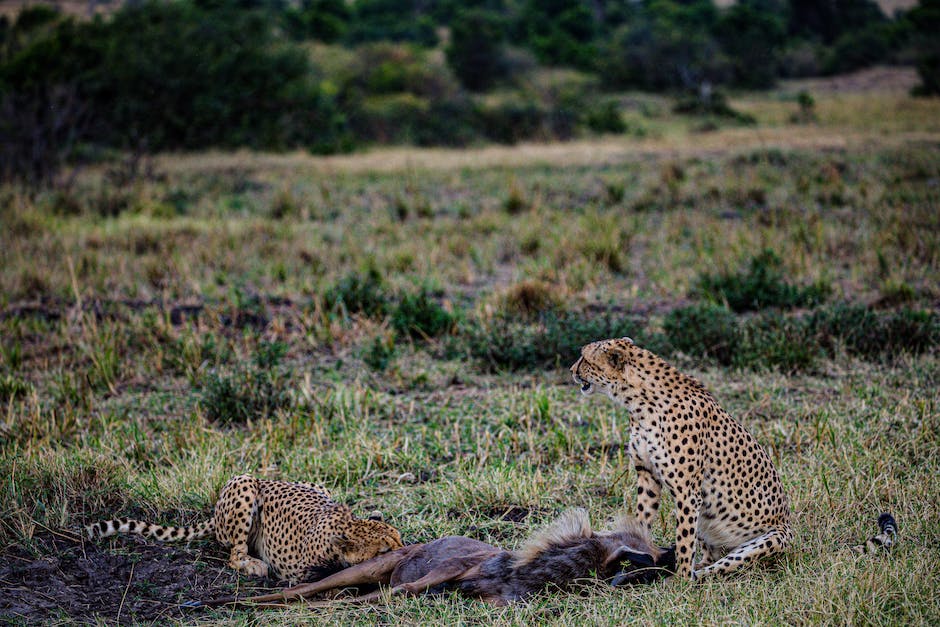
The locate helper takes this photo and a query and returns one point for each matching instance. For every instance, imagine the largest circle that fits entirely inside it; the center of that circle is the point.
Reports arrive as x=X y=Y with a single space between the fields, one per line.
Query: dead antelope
x=565 y=552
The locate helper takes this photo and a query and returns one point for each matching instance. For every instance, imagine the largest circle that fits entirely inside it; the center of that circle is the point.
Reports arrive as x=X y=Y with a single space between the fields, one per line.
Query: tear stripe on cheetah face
x=730 y=502
x=296 y=529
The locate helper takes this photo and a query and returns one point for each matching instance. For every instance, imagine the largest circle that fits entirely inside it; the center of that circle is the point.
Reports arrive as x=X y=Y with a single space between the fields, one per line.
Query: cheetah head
x=364 y=539
x=603 y=364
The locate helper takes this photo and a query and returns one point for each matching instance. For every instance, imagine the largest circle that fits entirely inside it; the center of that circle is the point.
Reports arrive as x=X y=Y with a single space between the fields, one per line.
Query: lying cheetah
x=295 y=528
x=727 y=493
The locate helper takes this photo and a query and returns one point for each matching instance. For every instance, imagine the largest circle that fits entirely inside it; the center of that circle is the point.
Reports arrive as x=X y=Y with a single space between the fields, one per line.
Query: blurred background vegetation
x=330 y=75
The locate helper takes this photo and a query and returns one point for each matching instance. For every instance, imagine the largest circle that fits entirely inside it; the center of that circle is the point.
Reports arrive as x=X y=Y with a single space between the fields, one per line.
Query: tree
x=751 y=38
x=560 y=32
x=324 y=20
x=826 y=20
x=926 y=23
x=667 y=46
x=392 y=20
x=475 y=53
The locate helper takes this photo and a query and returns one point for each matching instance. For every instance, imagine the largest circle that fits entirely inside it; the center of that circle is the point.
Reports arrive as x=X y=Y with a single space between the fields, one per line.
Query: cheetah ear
x=617 y=358
x=341 y=541
x=377 y=515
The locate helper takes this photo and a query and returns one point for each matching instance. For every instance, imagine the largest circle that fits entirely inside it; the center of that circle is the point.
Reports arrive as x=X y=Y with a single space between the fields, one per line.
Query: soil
x=59 y=578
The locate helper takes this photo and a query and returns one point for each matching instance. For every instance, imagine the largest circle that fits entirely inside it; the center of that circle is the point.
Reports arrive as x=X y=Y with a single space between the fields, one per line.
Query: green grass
x=401 y=334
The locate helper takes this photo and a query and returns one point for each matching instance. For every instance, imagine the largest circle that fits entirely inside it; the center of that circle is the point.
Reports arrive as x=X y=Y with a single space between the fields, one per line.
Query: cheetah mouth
x=586 y=386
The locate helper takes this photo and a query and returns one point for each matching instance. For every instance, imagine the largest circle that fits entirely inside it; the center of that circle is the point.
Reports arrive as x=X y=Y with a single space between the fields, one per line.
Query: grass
x=397 y=326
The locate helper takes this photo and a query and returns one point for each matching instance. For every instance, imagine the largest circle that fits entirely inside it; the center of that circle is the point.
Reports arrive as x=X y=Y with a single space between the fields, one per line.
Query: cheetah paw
x=251 y=567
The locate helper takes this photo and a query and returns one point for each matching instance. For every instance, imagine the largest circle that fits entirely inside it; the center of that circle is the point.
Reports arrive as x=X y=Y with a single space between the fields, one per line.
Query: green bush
x=511 y=119
x=560 y=32
x=925 y=18
x=420 y=316
x=358 y=293
x=475 y=52
x=553 y=340
x=391 y=20
x=752 y=39
x=762 y=285
x=859 y=49
x=248 y=391
x=710 y=103
x=774 y=341
x=158 y=76
x=664 y=46
x=707 y=331
x=379 y=352
x=605 y=117
x=12 y=387
x=871 y=334
x=324 y=20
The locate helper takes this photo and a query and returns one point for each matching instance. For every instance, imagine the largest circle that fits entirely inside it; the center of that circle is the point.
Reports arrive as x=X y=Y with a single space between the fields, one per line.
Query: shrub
x=475 y=53
x=761 y=286
x=420 y=316
x=511 y=119
x=752 y=39
x=858 y=49
x=774 y=341
x=249 y=391
x=925 y=19
x=379 y=352
x=705 y=330
x=391 y=118
x=711 y=103
x=553 y=339
x=530 y=298
x=870 y=334
x=94 y=82
x=391 y=20
x=12 y=387
x=324 y=20
x=357 y=293
x=665 y=47
x=605 y=118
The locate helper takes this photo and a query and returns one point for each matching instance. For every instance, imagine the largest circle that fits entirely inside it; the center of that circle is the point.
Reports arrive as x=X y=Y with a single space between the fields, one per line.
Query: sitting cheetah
x=295 y=528
x=727 y=493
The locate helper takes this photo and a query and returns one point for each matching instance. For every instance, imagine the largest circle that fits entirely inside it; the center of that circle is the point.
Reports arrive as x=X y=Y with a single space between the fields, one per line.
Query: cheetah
x=729 y=500
x=296 y=529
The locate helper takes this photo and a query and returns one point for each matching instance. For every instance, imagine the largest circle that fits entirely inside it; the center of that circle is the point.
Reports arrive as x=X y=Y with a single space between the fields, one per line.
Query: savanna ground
x=397 y=326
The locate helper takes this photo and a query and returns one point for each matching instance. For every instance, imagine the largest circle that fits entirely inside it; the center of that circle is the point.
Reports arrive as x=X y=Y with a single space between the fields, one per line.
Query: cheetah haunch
x=566 y=551
x=295 y=528
x=728 y=496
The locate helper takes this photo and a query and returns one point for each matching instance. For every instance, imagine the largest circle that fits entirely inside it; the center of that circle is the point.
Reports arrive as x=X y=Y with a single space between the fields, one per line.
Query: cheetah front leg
x=773 y=541
x=710 y=554
x=687 y=513
x=236 y=513
x=648 y=492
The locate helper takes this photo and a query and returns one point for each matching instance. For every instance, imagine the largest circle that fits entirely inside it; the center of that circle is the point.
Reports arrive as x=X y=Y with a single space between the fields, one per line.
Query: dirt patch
x=57 y=578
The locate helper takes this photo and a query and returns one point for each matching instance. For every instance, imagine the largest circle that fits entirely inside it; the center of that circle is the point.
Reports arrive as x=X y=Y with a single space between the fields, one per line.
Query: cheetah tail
x=105 y=528
x=888 y=533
